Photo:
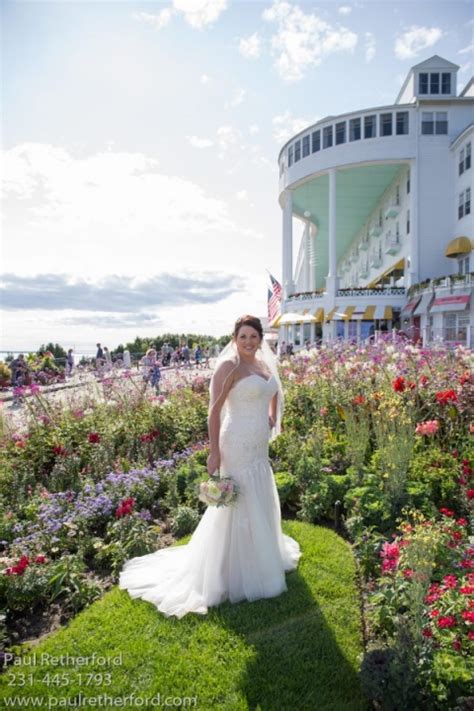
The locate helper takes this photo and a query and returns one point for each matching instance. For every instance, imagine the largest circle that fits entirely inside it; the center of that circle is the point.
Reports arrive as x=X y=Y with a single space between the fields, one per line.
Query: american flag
x=274 y=299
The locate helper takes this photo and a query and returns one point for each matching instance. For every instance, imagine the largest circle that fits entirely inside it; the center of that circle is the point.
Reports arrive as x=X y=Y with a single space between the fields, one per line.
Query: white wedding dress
x=237 y=552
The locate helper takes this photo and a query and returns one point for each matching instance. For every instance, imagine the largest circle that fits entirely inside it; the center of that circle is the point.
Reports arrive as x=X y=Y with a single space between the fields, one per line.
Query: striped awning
x=423 y=304
x=453 y=302
x=383 y=312
x=411 y=306
x=276 y=322
x=457 y=246
x=319 y=315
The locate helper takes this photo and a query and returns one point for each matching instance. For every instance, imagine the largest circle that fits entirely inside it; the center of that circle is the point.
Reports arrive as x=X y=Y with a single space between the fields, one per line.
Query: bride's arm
x=272 y=413
x=221 y=382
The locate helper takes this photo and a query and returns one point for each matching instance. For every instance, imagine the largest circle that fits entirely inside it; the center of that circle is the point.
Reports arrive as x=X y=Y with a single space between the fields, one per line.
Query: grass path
x=295 y=652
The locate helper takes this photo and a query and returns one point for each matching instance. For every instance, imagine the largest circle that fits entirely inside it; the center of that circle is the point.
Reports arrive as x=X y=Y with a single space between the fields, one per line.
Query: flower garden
x=377 y=444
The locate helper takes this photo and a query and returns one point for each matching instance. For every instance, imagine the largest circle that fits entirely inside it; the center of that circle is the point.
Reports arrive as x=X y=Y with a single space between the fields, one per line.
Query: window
x=408 y=222
x=369 y=126
x=463 y=265
x=467 y=204
x=354 y=129
x=316 y=141
x=461 y=162
x=467 y=162
x=305 y=146
x=441 y=122
x=434 y=83
x=445 y=83
x=290 y=156
x=408 y=183
x=427 y=123
x=402 y=123
x=397 y=195
x=461 y=205
x=450 y=327
x=297 y=150
x=327 y=137
x=423 y=84
x=340 y=133
x=385 y=124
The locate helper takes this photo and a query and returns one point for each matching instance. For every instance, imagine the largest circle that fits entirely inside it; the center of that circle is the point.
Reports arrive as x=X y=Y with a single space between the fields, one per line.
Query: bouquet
x=218 y=491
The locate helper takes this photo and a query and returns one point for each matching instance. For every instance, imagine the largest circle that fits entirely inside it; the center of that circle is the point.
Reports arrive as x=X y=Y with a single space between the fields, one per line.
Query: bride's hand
x=213 y=462
x=271 y=421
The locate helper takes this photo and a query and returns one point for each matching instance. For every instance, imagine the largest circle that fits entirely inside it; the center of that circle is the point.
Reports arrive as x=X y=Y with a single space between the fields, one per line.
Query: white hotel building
x=384 y=198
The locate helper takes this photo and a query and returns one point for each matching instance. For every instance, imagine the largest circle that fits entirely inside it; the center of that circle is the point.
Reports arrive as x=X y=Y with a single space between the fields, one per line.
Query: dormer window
x=445 y=83
x=423 y=83
x=434 y=83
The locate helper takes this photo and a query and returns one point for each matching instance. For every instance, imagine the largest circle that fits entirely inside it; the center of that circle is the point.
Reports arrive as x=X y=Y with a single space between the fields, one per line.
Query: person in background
x=282 y=348
x=127 y=361
x=19 y=369
x=69 y=362
x=99 y=356
x=186 y=356
x=108 y=358
x=198 y=356
x=207 y=355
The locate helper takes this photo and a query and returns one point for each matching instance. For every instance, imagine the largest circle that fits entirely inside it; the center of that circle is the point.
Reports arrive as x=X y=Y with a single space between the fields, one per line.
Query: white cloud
x=285 y=125
x=197 y=142
x=205 y=79
x=344 y=10
x=250 y=47
x=369 y=46
x=199 y=13
x=236 y=99
x=254 y=129
x=98 y=211
x=242 y=195
x=415 y=40
x=303 y=40
x=467 y=50
x=467 y=67
x=158 y=20
x=228 y=138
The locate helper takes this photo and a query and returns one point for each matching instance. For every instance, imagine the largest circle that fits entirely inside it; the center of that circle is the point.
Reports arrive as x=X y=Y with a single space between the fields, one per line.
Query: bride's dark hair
x=248 y=320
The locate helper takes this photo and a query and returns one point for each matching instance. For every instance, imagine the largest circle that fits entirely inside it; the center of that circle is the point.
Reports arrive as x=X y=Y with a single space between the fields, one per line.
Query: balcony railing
x=393 y=208
x=364 y=245
x=392 y=243
x=306 y=295
x=375 y=260
x=376 y=291
x=376 y=230
x=450 y=281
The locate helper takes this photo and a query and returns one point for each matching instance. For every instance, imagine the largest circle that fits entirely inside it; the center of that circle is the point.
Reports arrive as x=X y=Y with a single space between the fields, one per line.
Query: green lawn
x=297 y=651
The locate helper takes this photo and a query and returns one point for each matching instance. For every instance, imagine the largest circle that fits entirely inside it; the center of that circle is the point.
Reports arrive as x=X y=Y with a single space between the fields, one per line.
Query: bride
x=237 y=552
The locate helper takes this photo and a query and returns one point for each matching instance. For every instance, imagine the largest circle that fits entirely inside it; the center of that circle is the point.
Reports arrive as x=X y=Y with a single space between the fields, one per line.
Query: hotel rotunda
x=383 y=197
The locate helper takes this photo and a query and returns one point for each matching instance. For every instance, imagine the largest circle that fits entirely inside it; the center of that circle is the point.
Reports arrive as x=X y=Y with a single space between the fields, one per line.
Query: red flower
x=465 y=377
x=467 y=615
x=446 y=512
x=446 y=621
x=434 y=613
x=407 y=573
x=427 y=632
x=457 y=535
x=466 y=467
x=399 y=384
x=60 y=450
x=470 y=634
x=445 y=396
x=461 y=522
x=125 y=507
x=467 y=590
x=457 y=645
x=411 y=384
x=432 y=598
x=470 y=493
x=423 y=380
x=359 y=400
x=94 y=437
x=19 y=568
x=450 y=581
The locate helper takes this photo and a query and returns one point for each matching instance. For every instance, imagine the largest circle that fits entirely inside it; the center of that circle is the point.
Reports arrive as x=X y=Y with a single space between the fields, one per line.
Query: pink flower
x=429 y=428
x=450 y=581
x=323 y=411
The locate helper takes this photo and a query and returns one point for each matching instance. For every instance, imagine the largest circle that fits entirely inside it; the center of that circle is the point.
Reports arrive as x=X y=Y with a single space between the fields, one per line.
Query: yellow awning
x=388 y=313
x=276 y=322
x=349 y=311
x=319 y=315
x=459 y=245
x=369 y=313
x=398 y=265
x=330 y=315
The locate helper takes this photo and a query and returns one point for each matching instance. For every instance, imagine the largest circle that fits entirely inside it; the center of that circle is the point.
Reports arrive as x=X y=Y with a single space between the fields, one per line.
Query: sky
x=140 y=143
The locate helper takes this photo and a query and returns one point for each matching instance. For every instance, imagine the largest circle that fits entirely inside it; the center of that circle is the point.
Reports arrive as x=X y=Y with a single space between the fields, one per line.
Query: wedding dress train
x=237 y=552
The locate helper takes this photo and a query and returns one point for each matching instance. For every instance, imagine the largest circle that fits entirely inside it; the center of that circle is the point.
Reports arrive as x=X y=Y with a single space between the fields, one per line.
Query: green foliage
x=287 y=487
x=184 y=520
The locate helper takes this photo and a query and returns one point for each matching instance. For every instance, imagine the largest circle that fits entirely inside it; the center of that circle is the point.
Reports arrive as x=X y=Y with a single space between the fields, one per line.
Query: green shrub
x=184 y=520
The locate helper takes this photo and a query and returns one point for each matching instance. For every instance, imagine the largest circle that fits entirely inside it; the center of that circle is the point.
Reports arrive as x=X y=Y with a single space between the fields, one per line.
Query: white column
x=331 y=279
x=312 y=257
x=412 y=274
x=307 y=254
x=287 y=244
